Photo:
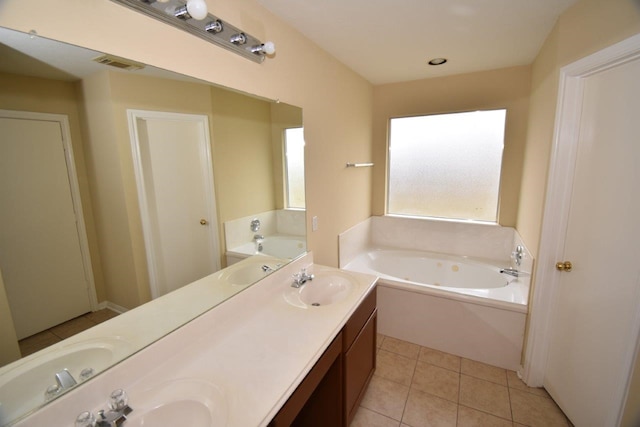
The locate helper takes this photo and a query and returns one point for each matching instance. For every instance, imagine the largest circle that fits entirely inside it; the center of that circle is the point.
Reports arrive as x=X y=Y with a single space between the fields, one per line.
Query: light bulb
x=269 y=48
x=197 y=9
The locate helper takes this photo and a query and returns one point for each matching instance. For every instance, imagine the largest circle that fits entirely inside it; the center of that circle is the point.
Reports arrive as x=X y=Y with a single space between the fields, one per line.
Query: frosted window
x=294 y=167
x=446 y=165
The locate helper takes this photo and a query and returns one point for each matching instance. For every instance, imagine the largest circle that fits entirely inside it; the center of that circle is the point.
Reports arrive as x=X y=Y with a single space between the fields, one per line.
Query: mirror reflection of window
x=294 y=168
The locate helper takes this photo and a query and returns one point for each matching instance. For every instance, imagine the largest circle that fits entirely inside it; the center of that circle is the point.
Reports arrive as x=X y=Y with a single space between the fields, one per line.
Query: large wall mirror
x=130 y=194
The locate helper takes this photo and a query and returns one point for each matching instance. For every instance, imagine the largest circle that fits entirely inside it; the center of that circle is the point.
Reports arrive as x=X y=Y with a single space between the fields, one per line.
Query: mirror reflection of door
x=42 y=237
x=175 y=188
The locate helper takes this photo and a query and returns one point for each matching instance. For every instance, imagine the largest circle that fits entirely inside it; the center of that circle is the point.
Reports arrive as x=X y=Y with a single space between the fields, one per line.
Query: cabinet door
x=360 y=362
x=317 y=402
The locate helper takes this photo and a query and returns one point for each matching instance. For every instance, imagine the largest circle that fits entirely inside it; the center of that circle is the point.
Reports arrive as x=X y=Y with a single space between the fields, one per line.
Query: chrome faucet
x=258 y=239
x=301 y=278
x=518 y=255
x=510 y=271
x=65 y=379
x=115 y=417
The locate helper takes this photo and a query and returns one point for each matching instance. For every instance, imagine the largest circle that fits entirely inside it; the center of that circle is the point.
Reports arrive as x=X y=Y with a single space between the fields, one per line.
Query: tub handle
x=564 y=266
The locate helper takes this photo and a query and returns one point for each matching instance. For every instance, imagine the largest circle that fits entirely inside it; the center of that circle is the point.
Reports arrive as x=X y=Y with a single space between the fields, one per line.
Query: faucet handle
x=116 y=416
x=118 y=400
x=85 y=419
x=518 y=254
x=51 y=392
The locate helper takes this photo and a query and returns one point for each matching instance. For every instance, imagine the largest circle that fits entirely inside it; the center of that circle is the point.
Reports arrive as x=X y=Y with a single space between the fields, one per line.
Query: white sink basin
x=23 y=388
x=325 y=289
x=184 y=402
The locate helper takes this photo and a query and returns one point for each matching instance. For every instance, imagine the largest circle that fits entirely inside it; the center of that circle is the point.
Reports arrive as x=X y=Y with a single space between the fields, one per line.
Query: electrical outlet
x=314 y=223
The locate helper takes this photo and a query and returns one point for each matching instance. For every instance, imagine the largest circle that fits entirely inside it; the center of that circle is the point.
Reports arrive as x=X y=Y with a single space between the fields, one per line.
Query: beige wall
x=505 y=88
x=107 y=187
x=242 y=155
x=336 y=101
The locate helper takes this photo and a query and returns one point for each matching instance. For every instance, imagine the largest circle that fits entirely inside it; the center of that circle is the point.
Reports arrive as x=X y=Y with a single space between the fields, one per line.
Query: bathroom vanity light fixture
x=192 y=16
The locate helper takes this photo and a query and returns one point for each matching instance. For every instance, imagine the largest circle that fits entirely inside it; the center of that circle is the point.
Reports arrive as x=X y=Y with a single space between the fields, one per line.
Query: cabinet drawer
x=358 y=319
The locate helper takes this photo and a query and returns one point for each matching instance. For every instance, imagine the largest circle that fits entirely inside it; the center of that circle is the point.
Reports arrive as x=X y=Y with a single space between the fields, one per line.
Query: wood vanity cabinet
x=331 y=392
x=359 y=354
x=317 y=402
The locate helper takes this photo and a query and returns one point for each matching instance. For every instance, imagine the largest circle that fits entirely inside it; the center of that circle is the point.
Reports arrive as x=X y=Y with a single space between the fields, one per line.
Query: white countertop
x=254 y=348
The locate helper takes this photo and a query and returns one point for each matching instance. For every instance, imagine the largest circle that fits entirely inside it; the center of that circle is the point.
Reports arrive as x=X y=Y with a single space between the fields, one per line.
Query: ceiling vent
x=121 y=63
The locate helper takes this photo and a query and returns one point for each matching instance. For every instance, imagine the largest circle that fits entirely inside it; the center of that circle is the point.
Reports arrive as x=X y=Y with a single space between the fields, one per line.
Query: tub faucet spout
x=65 y=380
x=510 y=271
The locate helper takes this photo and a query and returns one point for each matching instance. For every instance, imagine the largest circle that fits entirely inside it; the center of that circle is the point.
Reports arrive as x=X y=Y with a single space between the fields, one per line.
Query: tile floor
x=64 y=330
x=415 y=386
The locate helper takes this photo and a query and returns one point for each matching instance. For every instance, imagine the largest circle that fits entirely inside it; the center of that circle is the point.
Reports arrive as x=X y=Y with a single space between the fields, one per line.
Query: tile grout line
x=406 y=401
x=459 y=393
x=509 y=395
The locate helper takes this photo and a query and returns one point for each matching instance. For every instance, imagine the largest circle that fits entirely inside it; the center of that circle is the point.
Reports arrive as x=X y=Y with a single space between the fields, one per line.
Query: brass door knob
x=203 y=222
x=564 y=266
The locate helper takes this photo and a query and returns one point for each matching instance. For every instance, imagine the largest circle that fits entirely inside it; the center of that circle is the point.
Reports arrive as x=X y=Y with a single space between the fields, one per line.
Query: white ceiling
x=388 y=41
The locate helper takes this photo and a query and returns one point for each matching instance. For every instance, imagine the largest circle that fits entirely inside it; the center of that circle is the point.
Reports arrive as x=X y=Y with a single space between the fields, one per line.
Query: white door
x=40 y=239
x=175 y=183
x=594 y=326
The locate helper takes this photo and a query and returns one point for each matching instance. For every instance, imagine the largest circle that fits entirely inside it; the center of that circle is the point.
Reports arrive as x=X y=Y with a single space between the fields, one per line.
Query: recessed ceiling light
x=437 y=61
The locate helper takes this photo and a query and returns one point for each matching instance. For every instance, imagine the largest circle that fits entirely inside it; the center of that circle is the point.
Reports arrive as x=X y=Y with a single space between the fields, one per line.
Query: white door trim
x=207 y=166
x=556 y=211
x=63 y=120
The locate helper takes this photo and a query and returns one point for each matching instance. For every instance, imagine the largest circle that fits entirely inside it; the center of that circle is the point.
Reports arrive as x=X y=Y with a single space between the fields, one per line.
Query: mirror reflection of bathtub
x=278 y=246
x=281 y=234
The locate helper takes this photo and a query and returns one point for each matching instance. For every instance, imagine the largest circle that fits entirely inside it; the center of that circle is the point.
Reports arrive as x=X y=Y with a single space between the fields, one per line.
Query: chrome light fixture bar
x=210 y=28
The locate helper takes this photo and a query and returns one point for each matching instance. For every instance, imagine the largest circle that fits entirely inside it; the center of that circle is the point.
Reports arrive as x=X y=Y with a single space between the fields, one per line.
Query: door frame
x=76 y=200
x=207 y=166
x=556 y=212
